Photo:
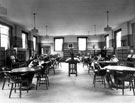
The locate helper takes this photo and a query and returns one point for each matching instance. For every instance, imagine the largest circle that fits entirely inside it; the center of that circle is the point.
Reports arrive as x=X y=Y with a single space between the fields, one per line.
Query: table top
x=119 y=68
x=25 y=69
x=107 y=62
x=75 y=60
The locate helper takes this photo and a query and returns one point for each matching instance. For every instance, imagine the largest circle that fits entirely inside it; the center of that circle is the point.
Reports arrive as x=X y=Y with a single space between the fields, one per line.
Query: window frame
x=62 y=44
x=9 y=34
x=116 y=33
x=107 y=41
x=35 y=43
x=26 y=40
x=78 y=43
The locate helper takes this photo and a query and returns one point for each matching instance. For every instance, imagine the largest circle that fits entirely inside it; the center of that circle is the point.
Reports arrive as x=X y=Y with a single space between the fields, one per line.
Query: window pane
x=107 y=41
x=34 y=43
x=58 y=44
x=4 y=33
x=118 y=39
x=23 y=40
x=4 y=41
x=82 y=43
x=4 y=29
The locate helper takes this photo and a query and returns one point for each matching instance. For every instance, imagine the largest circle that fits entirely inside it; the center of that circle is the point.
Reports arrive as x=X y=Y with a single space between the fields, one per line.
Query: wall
x=98 y=41
x=16 y=35
x=127 y=37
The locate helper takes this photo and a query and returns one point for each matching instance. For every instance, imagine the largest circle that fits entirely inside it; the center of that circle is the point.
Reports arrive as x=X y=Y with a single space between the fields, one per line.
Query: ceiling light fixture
x=46 y=36
x=34 y=30
x=107 y=28
x=95 y=30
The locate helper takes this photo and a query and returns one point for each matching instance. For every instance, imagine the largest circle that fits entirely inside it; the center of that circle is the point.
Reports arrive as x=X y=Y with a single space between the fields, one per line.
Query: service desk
x=72 y=65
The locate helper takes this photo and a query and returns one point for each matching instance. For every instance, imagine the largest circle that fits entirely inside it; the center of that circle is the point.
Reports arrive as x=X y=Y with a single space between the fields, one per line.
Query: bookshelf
x=2 y=56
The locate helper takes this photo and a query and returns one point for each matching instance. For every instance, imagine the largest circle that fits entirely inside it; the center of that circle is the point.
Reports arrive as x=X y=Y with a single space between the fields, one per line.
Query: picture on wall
x=70 y=45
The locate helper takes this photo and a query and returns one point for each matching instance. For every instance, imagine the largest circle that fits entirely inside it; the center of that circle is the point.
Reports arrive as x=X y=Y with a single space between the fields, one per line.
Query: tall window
x=133 y=34
x=58 y=44
x=82 y=43
x=4 y=36
x=24 y=40
x=118 y=38
x=107 y=41
x=34 y=42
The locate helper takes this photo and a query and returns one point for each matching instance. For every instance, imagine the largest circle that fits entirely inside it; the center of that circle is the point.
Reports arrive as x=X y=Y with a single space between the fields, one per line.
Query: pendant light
x=95 y=30
x=34 y=30
x=107 y=28
x=46 y=36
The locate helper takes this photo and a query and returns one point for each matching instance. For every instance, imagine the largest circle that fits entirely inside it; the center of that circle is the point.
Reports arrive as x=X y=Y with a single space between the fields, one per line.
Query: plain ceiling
x=69 y=17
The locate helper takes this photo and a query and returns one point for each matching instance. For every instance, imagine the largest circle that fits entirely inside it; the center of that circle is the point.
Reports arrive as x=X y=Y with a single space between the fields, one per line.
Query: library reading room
x=67 y=51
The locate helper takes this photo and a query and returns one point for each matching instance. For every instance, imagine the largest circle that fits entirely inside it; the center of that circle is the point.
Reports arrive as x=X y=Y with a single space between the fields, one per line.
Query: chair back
x=96 y=66
x=5 y=71
x=98 y=69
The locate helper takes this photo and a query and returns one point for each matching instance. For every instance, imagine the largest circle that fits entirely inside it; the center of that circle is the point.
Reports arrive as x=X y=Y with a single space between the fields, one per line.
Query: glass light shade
x=107 y=28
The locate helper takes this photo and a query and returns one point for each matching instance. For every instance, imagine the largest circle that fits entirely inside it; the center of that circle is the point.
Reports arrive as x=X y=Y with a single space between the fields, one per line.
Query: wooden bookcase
x=2 y=56
x=21 y=55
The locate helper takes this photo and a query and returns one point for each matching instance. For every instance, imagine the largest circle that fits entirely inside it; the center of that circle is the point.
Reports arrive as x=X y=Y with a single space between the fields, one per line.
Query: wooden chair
x=99 y=74
x=6 y=78
x=16 y=83
x=89 y=65
x=42 y=76
x=125 y=77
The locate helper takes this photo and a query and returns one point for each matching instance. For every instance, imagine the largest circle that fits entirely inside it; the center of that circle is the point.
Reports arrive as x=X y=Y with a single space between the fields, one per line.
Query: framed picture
x=70 y=45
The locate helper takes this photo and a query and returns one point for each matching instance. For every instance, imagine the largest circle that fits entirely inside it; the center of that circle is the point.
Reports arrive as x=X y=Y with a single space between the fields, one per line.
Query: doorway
x=46 y=50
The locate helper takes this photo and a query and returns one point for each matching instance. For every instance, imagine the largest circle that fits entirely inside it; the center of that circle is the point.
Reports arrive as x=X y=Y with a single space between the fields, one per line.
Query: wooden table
x=106 y=63
x=119 y=68
x=25 y=69
x=28 y=73
x=111 y=70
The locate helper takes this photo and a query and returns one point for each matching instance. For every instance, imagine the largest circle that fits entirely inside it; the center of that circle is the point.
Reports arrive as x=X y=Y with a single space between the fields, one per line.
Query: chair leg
x=94 y=80
x=37 y=83
x=46 y=84
x=15 y=87
x=76 y=71
x=104 y=82
x=11 y=90
x=8 y=81
x=27 y=86
x=69 y=72
x=47 y=80
x=20 y=89
x=123 y=87
x=133 y=88
x=3 y=83
x=54 y=70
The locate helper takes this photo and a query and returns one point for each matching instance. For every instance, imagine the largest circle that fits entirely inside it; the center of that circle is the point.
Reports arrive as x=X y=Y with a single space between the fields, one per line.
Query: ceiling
x=69 y=17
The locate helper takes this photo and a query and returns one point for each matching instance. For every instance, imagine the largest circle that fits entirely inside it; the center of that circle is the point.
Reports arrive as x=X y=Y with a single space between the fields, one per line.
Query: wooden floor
x=64 y=89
